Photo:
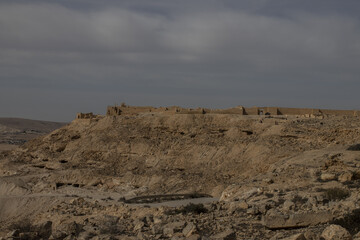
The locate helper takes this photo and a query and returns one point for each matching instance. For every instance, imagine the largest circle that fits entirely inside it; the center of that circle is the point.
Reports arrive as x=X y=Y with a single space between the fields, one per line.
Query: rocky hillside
x=273 y=177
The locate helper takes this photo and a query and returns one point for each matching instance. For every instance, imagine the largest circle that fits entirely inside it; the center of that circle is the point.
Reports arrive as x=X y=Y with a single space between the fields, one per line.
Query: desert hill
x=16 y=131
x=272 y=176
x=28 y=124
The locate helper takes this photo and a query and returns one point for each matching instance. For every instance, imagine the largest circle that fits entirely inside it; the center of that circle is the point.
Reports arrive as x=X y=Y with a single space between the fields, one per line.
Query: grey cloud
x=209 y=53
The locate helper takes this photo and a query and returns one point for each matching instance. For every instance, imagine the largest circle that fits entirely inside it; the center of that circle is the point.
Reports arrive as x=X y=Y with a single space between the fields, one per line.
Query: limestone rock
x=299 y=236
x=328 y=176
x=335 y=232
x=168 y=231
x=194 y=237
x=243 y=205
x=72 y=228
x=288 y=205
x=345 y=177
x=189 y=229
x=268 y=180
x=233 y=206
x=14 y=233
x=170 y=228
x=138 y=225
x=156 y=229
x=309 y=235
x=296 y=220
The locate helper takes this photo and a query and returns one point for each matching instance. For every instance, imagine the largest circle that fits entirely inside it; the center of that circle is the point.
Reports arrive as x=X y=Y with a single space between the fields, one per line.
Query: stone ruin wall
x=85 y=115
x=130 y=110
x=274 y=111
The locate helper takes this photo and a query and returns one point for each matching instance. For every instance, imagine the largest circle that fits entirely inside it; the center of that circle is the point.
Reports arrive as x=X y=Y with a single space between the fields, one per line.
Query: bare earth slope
x=275 y=177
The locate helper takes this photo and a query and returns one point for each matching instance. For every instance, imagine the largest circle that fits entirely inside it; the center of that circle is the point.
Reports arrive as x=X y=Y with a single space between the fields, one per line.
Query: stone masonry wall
x=134 y=110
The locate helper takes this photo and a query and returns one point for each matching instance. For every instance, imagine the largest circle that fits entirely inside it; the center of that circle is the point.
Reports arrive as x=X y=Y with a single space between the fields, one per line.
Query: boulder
x=63 y=230
x=189 y=229
x=156 y=229
x=243 y=205
x=288 y=205
x=310 y=235
x=173 y=227
x=138 y=225
x=335 y=232
x=345 y=177
x=328 y=176
x=299 y=236
x=44 y=229
x=234 y=206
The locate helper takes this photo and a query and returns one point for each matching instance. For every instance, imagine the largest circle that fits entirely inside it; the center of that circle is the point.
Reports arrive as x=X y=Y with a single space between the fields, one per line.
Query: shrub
x=334 y=194
x=190 y=208
x=299 y=199
x=355 y=147
x=110 y=225
x=194 y=208
x=24 y=225
x=269 y=195
x=350 y=221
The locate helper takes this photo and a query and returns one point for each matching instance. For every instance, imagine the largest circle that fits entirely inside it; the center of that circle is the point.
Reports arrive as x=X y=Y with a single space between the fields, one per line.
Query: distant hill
x=16 y=131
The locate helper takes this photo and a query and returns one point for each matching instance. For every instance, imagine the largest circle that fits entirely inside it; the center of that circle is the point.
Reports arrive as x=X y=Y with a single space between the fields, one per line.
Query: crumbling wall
x=252 y=111
x=113 y=111
x=298 y=111
x=85 y=115
x=130 y=110
x=194 y=111
x=340 y=112
x=236 y=110
x=272 y=111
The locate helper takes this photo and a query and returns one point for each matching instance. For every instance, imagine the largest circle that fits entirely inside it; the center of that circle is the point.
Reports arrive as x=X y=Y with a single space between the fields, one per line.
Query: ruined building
x=240 y=110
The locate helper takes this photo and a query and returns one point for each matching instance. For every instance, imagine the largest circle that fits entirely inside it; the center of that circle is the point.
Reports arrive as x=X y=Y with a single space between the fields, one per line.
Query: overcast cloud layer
x=62 y=57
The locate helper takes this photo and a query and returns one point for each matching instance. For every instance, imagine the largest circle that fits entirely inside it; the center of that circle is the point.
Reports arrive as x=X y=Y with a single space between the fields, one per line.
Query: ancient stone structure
x=85 y=115
x=133 y=110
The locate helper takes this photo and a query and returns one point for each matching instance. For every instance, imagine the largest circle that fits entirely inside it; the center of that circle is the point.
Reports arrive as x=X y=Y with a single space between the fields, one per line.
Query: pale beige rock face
x=335 y=232
x=299 y=236
x=345 y=177
x=328 y=176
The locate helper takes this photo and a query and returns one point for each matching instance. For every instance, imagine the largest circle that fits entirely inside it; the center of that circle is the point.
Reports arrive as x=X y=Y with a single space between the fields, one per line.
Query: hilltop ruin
x=239 y=110
x=129 y=110
x=176 y=173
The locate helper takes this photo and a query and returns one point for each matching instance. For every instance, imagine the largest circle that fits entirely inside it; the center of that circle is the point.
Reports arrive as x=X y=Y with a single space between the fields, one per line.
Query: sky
x=61 y=57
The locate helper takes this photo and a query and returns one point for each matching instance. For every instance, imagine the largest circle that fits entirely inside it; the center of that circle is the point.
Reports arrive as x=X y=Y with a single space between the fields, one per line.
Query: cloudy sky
x=62 y=57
